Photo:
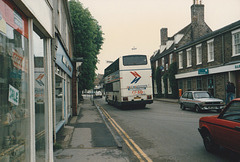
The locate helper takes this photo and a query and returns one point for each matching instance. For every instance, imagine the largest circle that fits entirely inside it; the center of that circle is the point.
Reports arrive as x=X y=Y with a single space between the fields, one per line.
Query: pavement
x=87 y=137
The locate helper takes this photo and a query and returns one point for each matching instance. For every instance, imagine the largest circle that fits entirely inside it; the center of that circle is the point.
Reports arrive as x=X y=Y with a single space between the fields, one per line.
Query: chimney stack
x=197 y=12
x=164 y=36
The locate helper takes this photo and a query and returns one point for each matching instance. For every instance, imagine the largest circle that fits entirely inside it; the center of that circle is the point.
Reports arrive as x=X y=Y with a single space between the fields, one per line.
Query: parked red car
x=223 y=129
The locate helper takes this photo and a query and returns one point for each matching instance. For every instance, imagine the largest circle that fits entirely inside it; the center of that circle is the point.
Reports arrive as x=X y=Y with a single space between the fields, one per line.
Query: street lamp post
x=76 y=72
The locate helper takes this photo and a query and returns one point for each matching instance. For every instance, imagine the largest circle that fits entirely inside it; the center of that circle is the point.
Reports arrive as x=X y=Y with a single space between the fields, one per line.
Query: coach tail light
x=149 y=97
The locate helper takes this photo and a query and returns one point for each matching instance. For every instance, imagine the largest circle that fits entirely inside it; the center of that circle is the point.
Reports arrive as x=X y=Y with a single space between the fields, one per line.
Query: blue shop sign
x=63 y=60
x=203 y=71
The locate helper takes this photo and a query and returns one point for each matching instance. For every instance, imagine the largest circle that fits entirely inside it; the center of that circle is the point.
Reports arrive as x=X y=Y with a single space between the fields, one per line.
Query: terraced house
x=205 y=59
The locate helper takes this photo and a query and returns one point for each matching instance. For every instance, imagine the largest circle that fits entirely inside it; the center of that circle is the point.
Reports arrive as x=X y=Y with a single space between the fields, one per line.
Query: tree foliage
x=165 y=82
x=88 y=38
x=173 y=82
x=158 y=77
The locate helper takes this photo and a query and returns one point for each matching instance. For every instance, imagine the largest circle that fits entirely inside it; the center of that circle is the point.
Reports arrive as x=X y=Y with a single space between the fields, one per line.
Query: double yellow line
x=137 y=151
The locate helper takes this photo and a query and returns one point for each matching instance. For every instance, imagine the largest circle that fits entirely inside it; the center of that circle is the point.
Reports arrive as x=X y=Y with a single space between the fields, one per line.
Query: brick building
x=205 y=60
x=215 y=59
x=167 y=54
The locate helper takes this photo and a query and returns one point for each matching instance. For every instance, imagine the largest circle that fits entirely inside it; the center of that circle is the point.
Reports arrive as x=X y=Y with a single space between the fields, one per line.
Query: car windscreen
x=134 y=60
x=202 y=95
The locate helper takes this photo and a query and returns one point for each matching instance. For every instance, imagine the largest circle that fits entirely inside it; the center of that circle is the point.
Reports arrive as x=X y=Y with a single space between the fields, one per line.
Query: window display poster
x=2 y=24
x=13 y=95
x=13 y=17
x=39 y=85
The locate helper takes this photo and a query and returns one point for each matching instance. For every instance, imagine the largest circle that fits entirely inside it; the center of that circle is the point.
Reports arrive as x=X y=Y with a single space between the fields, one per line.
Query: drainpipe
x=223 y=52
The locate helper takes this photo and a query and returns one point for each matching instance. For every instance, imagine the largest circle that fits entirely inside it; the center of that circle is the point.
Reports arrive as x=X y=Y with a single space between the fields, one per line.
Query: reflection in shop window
x=14 y=98
x=59 y=99
x=38 y=48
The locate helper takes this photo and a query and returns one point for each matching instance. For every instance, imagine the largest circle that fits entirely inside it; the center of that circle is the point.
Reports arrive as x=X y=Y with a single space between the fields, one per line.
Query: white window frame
x=163 y=88
x=210 y=50
x=169 y=87
x=199 y=54
x=180 y=60
x=170 y=59
x=234 y=49
x=163 y=64
x=189 y=57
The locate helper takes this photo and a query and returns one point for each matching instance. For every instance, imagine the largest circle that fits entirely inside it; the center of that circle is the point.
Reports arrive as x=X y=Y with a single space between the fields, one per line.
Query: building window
x=180 y=60
x=189 y=57
x=180 y=86
x=236 y=42
x=210 y=47
x=170 y=59
x=199 y=83
x=199 y=54
x=189 y=84
x=211 y=85
x=163 y=63
x=163 y=88
x=169 y=88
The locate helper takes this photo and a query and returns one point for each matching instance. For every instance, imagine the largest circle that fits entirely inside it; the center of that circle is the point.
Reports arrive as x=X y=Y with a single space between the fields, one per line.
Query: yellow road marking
x=121 y=132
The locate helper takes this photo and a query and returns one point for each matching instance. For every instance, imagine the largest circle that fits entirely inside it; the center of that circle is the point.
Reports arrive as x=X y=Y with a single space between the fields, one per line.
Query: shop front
x=25 y=88
x=63 y=75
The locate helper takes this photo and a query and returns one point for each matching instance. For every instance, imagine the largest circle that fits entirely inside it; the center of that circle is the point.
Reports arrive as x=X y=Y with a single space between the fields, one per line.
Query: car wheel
x=209 y=144
x=198 y=109
x=182 y=106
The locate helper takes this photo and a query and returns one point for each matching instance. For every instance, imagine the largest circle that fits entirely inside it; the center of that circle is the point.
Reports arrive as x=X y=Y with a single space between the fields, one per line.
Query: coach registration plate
x=137 y=97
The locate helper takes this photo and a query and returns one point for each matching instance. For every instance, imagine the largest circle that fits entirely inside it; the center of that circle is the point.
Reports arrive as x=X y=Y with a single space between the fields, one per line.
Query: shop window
x=180 y=84
x=211 y=85
x=59 y=99
x=40 y=88
x=199 y=83
x=14 y=94
x=189 y=84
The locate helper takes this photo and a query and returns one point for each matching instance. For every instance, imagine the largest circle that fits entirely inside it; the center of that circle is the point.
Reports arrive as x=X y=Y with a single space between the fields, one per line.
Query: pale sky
x=137 y=23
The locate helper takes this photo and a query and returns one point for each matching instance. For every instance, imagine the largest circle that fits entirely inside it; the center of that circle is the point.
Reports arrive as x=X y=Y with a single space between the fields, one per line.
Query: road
x=166 y=133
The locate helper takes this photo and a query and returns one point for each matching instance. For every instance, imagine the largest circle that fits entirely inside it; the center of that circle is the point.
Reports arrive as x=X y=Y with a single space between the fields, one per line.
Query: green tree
x=165 y=82
x=88 y=40
x=158 y=77
x=173 y=82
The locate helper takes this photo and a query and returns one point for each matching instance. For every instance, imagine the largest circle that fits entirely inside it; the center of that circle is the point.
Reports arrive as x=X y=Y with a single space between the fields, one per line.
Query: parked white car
x=200 y=101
